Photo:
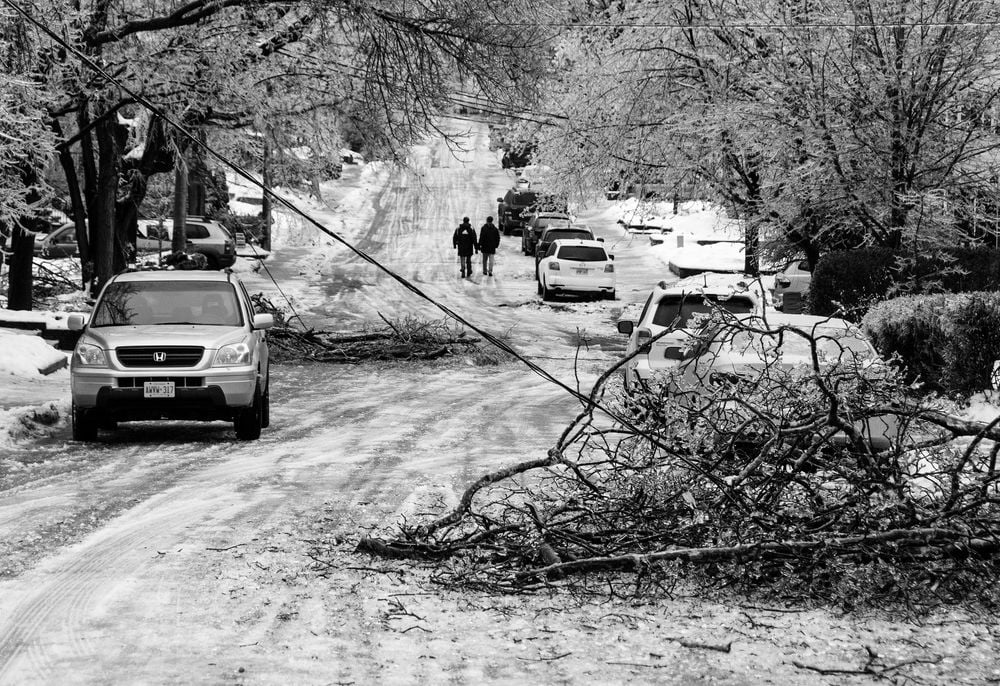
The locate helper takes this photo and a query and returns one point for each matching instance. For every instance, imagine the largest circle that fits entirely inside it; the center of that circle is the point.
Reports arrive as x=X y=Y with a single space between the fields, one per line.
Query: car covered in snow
x=171 y=345
x=673 y=313
x=576 y=266
x=724 y=257
x=765 y=372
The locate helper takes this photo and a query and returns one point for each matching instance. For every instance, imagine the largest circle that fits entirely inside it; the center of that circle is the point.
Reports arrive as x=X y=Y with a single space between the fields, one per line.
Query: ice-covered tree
x=823 y=124
x=291 y=71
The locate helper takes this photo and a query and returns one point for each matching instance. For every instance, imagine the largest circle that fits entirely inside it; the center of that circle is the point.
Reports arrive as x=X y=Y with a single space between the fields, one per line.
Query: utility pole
x=265 y=239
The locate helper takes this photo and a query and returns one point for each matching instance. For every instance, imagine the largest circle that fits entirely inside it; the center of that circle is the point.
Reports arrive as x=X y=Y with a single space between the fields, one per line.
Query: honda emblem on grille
x=159 y=357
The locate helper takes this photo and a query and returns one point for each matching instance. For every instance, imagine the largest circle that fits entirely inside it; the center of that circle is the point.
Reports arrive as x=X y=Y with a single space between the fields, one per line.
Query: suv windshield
x=168 y=302
x=677 y=310
x=582 y=253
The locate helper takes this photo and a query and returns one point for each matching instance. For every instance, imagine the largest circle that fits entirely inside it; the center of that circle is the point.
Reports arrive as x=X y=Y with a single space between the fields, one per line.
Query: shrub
x=846 y=282
x=947 y=341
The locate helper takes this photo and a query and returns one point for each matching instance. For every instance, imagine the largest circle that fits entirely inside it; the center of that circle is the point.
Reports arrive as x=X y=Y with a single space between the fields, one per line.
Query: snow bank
x=27 y=355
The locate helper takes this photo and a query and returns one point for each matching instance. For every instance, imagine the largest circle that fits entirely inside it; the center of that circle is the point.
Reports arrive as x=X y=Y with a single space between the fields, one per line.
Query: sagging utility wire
x=487 y=336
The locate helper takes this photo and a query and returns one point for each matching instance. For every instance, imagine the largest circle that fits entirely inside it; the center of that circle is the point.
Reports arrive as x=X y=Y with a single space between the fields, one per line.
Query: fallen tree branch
x=848 y=544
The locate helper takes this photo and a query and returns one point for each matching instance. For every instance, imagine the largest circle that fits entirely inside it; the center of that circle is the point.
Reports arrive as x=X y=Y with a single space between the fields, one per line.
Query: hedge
x=847 y=282
x=947 y=341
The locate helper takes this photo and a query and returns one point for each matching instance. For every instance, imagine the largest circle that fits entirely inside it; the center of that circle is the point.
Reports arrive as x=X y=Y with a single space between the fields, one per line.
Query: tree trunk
x=20 y=278
x=20 y=284
x=179 y=241
x=102 y=220
x=77 y=210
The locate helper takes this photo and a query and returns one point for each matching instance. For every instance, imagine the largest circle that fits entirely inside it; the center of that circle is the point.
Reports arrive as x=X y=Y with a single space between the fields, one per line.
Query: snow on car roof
x=174 y=275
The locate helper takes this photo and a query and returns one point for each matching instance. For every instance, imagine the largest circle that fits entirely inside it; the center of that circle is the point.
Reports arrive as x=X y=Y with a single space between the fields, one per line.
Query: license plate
x=158 y=389
x=578 y=270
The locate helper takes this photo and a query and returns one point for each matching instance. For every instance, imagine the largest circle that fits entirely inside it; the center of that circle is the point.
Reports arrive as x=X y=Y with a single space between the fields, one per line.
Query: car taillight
x=609 y=268
x=783 y=282
x=228 y=248
x=643 y=337
x=554 y=266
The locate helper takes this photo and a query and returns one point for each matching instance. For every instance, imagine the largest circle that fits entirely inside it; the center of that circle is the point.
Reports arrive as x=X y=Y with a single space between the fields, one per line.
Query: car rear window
x=545 y=222
x=582 y=253
x=556 y=234
x=168 y=302
x=677 y=310
x=524 y=199
x=195 y=231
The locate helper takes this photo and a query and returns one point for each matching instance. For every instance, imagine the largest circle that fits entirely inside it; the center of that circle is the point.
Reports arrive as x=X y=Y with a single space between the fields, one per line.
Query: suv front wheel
x=84 y=426
x=249 y=420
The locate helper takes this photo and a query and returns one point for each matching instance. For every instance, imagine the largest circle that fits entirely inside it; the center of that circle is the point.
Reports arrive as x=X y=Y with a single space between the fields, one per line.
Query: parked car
x=171 y=345
x=204 y=236
x=554 y=233
x=727 y=362
x=721 y=257
x=576 y=266
x=246 y=203
x=791 y=285
x=510 y=208
x=672 y=315
x=61 y=242
x=536 y=223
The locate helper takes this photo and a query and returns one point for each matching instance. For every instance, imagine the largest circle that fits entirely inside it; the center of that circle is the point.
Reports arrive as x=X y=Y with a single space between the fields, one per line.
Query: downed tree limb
x=845 y=546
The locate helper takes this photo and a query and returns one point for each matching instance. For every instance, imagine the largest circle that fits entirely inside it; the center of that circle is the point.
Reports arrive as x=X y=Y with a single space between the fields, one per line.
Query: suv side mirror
x=626 y=327
x=601 y=240
x=263 y=321
x=76 y=322
x=500 y=200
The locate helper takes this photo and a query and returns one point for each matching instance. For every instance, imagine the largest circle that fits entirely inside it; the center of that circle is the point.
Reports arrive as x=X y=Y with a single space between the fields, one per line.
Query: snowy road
x=110 y=551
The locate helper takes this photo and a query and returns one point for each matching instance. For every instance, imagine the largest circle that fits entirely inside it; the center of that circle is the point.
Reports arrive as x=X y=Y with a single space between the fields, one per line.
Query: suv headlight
x=232 y=355
x=90 y=355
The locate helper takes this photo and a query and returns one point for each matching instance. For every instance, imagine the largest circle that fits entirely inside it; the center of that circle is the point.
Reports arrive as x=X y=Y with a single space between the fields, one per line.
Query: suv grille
x=160 y=356
x=179 y=381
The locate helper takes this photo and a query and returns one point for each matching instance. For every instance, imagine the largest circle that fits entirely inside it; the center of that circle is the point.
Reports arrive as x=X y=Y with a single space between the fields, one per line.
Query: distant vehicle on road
x=554 y=233
x=575 y=266
x=538 y=222
x=171 y=345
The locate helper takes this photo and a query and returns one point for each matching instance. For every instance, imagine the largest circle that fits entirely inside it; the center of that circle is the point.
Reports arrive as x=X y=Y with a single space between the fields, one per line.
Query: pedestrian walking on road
x=465 y=241
x=489 y=241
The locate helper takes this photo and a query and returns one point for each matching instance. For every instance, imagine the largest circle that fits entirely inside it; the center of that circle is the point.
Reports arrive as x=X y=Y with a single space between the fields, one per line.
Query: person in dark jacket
x=465 y=241
x=489 y=241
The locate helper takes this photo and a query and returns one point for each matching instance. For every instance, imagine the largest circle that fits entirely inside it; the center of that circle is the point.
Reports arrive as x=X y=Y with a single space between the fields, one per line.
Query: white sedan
x=576 y=266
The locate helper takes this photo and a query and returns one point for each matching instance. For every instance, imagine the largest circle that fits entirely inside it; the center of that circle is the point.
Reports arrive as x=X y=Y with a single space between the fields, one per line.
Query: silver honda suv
x=171 y=345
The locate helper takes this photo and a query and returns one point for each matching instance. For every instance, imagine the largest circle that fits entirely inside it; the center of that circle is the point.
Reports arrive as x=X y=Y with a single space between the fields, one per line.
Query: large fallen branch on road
x=771 y=490
x=408 y=338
